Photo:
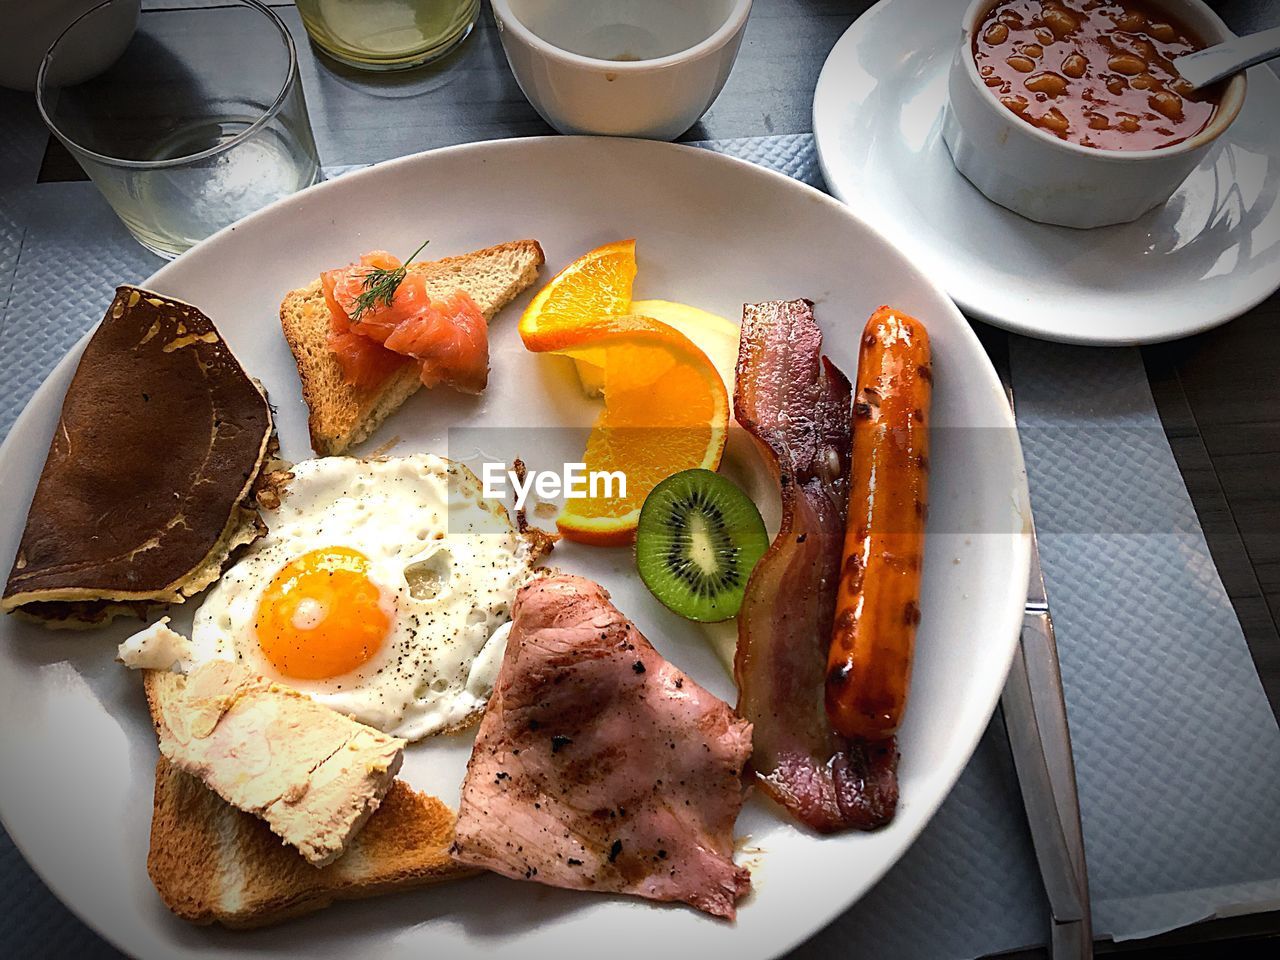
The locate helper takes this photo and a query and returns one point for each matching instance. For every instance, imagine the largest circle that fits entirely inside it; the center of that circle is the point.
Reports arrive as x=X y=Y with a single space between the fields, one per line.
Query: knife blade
x=1035 y=718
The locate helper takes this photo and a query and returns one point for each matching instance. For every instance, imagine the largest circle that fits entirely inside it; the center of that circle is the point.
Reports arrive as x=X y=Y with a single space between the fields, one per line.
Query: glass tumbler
x=198 y=122
x=387 y=34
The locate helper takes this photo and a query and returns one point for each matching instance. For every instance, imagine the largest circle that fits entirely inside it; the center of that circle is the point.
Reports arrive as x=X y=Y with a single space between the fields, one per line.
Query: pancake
x=149 y=481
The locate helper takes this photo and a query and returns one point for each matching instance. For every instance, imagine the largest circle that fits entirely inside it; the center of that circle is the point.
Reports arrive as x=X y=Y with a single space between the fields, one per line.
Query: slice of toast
x=211 y=862
x=342 y=415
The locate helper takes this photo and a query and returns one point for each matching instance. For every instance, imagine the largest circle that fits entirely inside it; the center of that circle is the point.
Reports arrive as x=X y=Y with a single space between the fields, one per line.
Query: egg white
x=447 y=564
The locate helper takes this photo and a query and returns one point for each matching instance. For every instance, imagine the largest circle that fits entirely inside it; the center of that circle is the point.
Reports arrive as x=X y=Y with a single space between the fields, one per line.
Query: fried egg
x=383 y=589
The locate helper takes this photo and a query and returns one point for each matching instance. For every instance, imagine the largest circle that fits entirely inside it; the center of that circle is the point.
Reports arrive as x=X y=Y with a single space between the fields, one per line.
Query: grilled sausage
x=878 y=602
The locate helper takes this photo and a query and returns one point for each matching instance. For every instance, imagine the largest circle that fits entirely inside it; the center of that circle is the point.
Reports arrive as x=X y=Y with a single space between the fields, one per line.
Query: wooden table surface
x=1218 y=393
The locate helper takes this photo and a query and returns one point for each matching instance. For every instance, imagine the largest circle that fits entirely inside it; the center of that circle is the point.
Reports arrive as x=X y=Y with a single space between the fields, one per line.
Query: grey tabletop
x=1217 y=399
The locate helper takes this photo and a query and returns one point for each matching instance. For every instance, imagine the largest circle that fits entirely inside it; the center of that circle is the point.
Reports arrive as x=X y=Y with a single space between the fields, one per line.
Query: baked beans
x=1094 y=72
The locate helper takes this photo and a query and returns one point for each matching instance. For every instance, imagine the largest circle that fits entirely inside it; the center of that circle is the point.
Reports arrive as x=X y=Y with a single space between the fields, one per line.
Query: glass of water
x=198 y=122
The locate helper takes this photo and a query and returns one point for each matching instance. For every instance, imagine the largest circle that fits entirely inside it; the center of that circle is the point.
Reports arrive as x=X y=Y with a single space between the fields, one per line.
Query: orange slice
x=665 y=410
x=597 y=284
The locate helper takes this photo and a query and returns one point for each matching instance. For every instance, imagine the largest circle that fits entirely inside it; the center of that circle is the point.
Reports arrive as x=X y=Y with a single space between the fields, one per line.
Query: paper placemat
x=1177 y=750
x=1178 y=753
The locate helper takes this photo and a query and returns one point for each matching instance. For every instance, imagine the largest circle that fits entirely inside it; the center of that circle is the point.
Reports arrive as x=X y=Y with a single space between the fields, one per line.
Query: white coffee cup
x=29 y=27
x=621 y=67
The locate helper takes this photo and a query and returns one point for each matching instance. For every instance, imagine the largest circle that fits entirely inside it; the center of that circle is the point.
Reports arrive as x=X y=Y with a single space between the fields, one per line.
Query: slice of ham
x=599 y=765
x=796 y=404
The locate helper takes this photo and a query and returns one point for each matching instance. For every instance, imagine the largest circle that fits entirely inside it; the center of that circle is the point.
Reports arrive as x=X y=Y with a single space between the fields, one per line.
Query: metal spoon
x=1223 y=59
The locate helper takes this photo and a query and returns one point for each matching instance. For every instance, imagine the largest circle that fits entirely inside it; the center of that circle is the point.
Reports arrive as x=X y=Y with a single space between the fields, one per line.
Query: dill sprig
x=380 y=285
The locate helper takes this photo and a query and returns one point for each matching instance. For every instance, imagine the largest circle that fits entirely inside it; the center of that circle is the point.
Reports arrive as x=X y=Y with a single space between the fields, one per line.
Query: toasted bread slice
x=342 y=415
x=213 y=863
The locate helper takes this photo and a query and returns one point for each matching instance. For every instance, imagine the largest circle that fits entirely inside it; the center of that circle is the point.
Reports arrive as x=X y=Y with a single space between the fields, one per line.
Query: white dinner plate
x=1210 y=254
x=76 y=746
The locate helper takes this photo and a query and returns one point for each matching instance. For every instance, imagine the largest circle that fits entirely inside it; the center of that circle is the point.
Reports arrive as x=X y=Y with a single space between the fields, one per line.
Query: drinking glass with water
x=198 y=122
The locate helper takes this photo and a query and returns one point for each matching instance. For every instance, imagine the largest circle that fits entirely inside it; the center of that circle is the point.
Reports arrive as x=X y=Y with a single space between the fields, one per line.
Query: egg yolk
x=320 y=616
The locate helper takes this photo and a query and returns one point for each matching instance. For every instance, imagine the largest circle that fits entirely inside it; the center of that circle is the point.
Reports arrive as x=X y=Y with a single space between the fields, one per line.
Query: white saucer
x=1209 y=255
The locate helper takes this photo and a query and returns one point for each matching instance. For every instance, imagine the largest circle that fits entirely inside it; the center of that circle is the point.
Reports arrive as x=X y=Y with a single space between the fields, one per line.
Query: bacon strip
x=796 y=404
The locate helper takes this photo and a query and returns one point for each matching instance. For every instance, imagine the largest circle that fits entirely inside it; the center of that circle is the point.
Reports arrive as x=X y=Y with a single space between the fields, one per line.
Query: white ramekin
x=658 y=98
x=1032 y=172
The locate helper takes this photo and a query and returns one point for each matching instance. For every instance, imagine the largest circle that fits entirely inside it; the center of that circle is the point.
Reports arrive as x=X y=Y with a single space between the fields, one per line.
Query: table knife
x=1035 y=718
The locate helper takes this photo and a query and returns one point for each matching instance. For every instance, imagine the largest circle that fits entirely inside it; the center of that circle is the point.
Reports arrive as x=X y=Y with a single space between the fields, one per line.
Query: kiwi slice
x=698 y=539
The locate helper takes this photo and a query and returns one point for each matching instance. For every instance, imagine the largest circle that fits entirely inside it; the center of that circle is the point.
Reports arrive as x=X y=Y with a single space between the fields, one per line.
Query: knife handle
x=1040 y=740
